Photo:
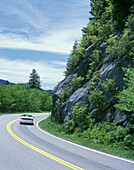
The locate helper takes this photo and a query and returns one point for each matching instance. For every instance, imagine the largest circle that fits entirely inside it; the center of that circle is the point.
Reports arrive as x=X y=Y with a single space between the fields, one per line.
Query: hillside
x=5 y=81
x=95 y=69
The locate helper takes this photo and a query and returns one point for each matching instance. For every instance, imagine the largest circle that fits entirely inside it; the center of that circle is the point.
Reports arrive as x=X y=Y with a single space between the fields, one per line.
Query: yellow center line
x=39 y=150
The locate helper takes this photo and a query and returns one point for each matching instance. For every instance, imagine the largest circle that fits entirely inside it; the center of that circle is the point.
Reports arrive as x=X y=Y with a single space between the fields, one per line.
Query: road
x=26 y=147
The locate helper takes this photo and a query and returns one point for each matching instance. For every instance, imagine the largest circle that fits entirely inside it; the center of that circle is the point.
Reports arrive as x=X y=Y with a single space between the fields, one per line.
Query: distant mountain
x=49 y=91
x=5 y=81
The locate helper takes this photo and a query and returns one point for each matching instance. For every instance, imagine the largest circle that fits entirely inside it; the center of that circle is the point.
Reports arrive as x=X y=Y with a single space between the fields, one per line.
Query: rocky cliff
x=109 y=67
x=95 y=69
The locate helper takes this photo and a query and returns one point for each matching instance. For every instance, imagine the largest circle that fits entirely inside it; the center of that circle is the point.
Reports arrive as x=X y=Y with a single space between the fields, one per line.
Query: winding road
x=26 y=147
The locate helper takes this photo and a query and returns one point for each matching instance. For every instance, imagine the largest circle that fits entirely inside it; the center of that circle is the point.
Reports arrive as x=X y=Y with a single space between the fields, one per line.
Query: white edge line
x=93 y=150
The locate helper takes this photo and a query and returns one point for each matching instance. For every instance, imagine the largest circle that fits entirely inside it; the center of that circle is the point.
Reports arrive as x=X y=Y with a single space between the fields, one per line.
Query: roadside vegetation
x=25 y=97
x=21 y=98
x=107 y=137
x=108 y=19
x=111 y=22
x=59 y=130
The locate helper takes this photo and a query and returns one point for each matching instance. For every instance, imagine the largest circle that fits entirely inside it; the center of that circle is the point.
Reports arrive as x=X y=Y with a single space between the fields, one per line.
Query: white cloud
x=59 y=41
x=38 y=25
x=59 y=63
x=18 y=71
x=29 y=27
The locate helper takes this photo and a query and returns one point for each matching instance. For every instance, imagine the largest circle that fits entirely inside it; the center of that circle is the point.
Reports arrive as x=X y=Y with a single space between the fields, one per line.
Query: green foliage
x=101 y=12
x=77 y=82
x=69 y=126
x=97 y=99
x=120 y=9
x=109 y=146
x=108 y=17
x=94 y=60
x=109 y=85
x=75 y=46
x=80 y=116
x=111 y=135
x=125 y=44
x=21 y=98
x=88 y=40
x=75 y=59
x=90 y=30
x=64 y=95
x=34 y=80
x=98 y=8
x=104 y=22
x=96 y=78
x=81 y=119
x=126 y=97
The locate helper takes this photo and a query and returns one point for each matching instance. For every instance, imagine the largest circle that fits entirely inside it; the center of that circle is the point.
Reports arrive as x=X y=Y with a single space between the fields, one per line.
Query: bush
x=81 y=116
x=65 y=94
x=110 y=134
x=21 y=98
x=69 y=126
x=97 y=99
x=96 y=78
x=77 y=82
x=74 y=60
x=94 y=60
x=109 y=86
x=126 y=97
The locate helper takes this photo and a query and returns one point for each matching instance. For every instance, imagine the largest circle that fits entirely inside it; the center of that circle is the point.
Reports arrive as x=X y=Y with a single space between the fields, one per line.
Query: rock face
x=110 y=67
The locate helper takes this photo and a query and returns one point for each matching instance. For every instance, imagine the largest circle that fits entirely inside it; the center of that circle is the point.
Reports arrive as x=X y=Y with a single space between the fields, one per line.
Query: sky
x=39 y=34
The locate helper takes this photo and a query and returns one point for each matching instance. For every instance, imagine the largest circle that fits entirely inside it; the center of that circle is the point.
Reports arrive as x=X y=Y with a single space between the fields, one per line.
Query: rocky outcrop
x=110 y=67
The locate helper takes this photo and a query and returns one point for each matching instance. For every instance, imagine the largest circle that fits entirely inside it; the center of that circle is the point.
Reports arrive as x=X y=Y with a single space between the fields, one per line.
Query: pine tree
x=34 y=80
x=7 y=82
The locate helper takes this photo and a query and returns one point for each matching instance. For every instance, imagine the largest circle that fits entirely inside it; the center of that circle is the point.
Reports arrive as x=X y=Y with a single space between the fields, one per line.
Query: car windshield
x=26 y=115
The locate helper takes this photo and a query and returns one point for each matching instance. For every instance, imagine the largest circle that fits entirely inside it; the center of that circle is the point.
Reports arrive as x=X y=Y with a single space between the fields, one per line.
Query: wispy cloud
x=59 y=41
x=53 y=29
x=39 y=26
x=59 y=63
x=18 y=71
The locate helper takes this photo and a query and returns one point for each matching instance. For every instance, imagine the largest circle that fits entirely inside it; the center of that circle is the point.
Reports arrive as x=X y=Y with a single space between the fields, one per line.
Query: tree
x=120 y=10
x=7 y=82
x=34 y=80
x=126 y=97
x=75 y=46
x=21 y=98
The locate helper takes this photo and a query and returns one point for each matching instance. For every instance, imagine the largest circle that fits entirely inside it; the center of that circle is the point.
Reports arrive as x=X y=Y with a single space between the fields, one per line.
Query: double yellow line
x=39 y=150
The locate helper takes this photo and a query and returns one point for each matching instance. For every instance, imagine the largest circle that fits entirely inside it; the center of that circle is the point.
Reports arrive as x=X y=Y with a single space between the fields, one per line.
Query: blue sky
x=39 y=34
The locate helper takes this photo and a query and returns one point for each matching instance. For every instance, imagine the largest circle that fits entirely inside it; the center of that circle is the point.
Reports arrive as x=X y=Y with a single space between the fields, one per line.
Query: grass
x=9 y=113
x=57 y=130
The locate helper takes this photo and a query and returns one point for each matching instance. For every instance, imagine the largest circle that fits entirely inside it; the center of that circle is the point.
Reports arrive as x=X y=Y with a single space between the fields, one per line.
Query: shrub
x=109 y=86
x=97 y=99
x=69 y=126
x=94 y=60
x=64 y=95
x=21 y=98
x=96 y=78
x=74 y=60
x=81 y=116
x=126 y=97
x=88 y=40
x=77 y=82
x=111 y=134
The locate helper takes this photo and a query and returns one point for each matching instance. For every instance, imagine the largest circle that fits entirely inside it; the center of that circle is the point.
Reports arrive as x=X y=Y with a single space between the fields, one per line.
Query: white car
x=26 y=119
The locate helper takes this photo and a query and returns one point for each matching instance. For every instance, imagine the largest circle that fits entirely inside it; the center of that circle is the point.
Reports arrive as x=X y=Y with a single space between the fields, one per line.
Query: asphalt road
x=26 y=147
